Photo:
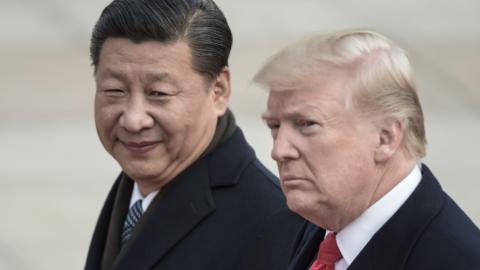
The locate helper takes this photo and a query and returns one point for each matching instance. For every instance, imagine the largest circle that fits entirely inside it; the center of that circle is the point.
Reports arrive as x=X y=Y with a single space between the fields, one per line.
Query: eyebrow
x=296 y=112
x=289 y=115
x=112 y=73
x=158 y=77
x=150 y=77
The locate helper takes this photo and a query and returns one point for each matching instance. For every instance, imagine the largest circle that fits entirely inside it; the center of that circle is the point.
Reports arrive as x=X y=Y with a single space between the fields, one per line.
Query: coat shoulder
x=451 y=241
x=276 y=229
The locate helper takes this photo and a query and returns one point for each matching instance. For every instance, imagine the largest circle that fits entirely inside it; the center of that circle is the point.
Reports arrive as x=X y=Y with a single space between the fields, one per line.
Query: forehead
x=121 y=55
x=326 y=95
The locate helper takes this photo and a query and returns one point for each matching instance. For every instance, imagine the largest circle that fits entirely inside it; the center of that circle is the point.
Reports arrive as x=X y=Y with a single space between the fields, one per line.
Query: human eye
x=306 y=125
x=157 y=94
x=273 y=126
x=114 y=92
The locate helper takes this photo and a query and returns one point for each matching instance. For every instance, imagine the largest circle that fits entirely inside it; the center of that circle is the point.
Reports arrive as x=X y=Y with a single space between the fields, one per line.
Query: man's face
x=154 y=114
x=324 y=152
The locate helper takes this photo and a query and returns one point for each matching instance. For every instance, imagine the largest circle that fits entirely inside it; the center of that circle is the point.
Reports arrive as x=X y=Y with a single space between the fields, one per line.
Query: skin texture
x=154 y=114
x=333 y=163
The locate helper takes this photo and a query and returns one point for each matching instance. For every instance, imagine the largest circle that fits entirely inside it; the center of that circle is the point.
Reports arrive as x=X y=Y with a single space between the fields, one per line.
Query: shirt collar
x=355 y=236
x=137 y=195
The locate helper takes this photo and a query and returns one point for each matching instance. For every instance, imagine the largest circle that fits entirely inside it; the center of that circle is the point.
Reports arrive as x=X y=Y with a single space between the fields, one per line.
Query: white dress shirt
x=355 y=236
x=137 y=195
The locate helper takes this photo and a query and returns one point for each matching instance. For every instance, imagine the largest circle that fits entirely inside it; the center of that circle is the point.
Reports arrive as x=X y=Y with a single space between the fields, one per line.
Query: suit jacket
x=225 y=211
x=428 y=232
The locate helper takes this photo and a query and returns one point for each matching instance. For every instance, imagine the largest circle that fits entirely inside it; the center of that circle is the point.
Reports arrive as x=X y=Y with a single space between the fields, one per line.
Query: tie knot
x=136 y=210
x=329 y=252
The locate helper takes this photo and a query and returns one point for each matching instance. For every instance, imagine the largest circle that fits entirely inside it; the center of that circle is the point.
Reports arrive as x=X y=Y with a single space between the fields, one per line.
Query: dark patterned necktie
x=133 y=216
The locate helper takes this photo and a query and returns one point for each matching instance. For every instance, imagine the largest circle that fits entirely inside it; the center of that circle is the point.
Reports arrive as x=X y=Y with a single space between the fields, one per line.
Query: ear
x=390 y=137
x=221 y=91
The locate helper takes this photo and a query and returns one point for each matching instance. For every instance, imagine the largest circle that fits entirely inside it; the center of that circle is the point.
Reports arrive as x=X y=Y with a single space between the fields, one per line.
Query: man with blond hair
x=348 y=132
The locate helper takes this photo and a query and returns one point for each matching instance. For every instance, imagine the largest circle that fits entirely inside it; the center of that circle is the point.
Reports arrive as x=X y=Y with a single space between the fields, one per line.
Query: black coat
x=428 y=232
x=225 y=211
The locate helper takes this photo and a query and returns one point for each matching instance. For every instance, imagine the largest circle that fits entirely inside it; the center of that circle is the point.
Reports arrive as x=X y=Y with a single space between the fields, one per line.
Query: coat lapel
x=98 y=243
x=307 y=252
x=176 y=210
x=115 y=227
x=390 y=247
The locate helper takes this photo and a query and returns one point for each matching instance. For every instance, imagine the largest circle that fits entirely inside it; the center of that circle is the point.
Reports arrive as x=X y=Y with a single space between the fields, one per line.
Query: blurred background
x=55 y=175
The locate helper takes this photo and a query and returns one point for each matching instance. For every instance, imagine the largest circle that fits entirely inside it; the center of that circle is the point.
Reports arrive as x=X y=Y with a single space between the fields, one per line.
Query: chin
x=140 y=173
x=297 y=203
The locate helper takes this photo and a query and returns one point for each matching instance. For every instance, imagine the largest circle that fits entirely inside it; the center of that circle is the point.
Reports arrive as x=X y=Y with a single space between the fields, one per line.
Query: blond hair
x=378 y=71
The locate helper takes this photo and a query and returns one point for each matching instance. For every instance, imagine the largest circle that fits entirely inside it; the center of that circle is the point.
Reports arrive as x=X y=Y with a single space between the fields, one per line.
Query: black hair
x=200 y=23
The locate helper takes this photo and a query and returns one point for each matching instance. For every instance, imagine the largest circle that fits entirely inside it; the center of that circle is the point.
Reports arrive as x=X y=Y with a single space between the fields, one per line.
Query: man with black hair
x=192 y=194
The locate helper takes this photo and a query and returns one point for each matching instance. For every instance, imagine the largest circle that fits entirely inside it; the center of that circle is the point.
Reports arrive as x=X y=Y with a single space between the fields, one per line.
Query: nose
x=283 y=146
x=136 y=117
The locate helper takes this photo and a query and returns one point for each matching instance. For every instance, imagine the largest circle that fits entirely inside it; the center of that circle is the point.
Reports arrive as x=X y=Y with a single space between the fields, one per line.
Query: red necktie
x=328 y=254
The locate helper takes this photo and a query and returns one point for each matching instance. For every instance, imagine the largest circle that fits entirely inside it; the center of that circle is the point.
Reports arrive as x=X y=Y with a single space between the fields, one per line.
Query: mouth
x=291 y=178
x=140 y=147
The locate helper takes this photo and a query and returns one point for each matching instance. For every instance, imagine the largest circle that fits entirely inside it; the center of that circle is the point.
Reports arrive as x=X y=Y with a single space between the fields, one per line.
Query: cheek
x=172 y=123
x=334 y=168
x=355 y=172
x=200 y=116
x=106 y=118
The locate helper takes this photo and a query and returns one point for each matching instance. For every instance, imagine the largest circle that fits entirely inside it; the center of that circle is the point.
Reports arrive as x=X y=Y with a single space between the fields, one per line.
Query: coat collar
x=103 y=249
x=390 y=247
x=305 y=254
x=115 y=226
x=228 y=161
x=184 y=203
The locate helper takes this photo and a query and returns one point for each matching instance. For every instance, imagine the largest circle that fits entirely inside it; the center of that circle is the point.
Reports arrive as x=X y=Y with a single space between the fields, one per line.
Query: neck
x=391 y=173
